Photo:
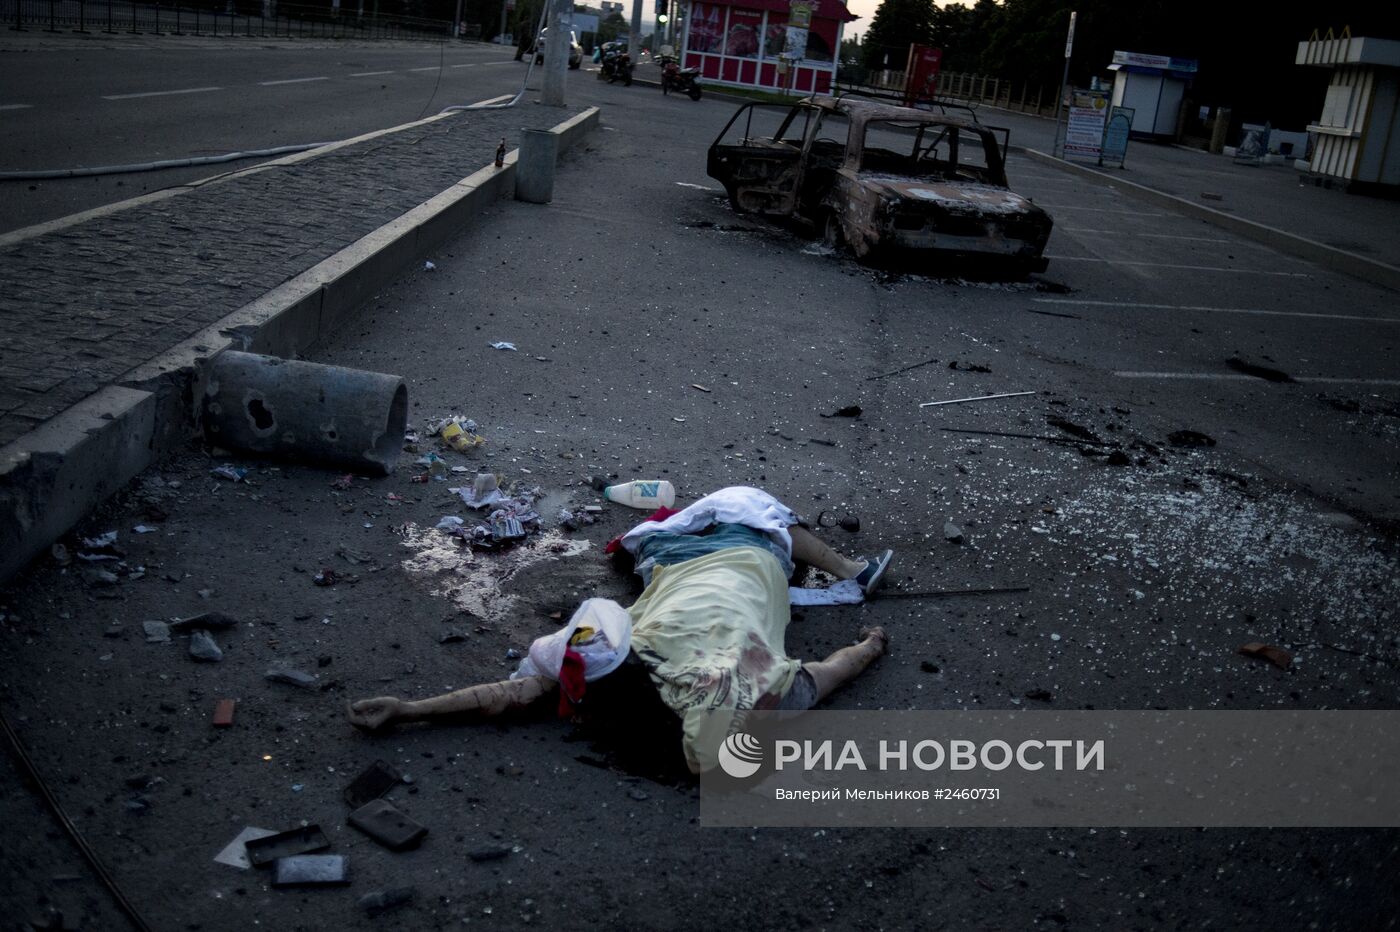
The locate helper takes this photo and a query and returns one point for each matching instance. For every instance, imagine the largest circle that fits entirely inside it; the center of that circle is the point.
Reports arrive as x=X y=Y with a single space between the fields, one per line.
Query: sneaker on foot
x=869 y=579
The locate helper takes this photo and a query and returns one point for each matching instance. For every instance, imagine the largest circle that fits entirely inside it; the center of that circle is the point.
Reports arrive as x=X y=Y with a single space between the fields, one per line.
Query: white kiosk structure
x=1152 y=86
x=1357 y=138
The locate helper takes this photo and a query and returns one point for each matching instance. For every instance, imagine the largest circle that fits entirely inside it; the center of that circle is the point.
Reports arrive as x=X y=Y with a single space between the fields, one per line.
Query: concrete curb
x=1329 y=257
x=54 y=475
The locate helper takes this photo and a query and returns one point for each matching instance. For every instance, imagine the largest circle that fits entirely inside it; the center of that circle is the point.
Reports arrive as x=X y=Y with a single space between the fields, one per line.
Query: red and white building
x=741 y=43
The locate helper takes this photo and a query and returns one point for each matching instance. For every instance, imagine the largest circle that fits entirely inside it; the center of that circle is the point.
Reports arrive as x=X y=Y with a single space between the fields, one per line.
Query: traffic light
x=661 y=18
x=662 y=6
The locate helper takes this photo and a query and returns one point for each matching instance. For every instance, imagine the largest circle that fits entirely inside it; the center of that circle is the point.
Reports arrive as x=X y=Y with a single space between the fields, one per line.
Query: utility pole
x=556 y=51
x=456 y=19
x=635 y=35
x=1064 y=82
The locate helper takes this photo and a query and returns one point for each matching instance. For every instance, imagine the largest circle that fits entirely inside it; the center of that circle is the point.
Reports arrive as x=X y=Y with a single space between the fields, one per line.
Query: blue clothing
x=661 y=549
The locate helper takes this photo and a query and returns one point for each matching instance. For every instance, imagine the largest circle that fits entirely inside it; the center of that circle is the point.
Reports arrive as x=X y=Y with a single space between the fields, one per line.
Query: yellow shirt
x=711 y=631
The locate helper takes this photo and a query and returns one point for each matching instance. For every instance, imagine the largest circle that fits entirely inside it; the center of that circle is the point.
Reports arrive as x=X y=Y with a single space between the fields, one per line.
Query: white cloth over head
x=601 y=655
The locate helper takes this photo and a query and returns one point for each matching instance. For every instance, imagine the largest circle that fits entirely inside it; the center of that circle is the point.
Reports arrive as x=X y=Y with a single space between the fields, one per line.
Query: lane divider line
x=1216 y=310
x=186 y=90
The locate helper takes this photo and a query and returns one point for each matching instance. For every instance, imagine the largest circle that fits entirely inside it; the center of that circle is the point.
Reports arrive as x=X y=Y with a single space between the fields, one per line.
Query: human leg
x=847 y=663
x=808 y=548
x=474 y=703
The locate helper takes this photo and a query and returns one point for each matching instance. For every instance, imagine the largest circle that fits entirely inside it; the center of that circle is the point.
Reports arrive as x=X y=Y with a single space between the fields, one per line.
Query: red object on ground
x=571 y=683
x=660 y=514
x=223 y=713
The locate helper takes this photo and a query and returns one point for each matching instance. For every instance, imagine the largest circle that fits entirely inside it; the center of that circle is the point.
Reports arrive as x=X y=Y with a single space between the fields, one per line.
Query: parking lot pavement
x=635 y=286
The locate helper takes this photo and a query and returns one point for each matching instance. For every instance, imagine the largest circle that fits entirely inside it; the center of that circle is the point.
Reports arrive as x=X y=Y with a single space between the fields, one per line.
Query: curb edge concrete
x=1330 y=257
x=57 y=473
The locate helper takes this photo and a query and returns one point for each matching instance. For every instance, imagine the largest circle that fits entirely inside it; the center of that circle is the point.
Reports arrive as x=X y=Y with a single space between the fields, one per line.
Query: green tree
x=896 y=24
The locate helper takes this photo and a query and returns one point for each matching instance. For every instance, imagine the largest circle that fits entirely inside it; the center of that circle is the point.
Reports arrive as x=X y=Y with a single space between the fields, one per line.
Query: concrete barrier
x=53 y=476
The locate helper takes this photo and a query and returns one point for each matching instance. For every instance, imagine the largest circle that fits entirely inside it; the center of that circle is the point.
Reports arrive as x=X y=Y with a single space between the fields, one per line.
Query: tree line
x=1246 y=50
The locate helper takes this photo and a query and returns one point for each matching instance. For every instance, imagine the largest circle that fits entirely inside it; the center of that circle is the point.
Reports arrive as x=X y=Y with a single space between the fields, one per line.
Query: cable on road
x=26 y=765
x=50 y=174
x=529 y=68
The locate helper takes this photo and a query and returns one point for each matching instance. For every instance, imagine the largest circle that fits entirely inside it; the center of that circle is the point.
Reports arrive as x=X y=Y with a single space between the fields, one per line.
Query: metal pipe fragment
x=346 y=418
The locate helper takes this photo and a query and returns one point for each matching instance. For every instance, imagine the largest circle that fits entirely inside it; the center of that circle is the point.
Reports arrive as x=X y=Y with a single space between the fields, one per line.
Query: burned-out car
x=882 y=180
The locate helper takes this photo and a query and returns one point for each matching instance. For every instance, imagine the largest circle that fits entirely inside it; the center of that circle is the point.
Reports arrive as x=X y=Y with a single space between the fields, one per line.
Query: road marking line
x=290 y=81
x=429 y=68
x=1105 y=210
x=1169 y=265
x=1237 y=377
x=187 y=90
x=1217 y=310
x=1199 y=239
x=485 y=63
x=15 y=106
x=369 y=74
x=470 y=64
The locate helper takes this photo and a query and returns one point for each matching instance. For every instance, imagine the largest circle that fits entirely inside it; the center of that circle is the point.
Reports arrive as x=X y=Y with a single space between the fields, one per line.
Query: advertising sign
x=1115 y=137
x=795 y=47
x=1088 y=112
x=921 y=85
x=800 y=14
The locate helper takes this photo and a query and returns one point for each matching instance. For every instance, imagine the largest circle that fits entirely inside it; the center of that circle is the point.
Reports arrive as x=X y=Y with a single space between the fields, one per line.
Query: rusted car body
x=882 y=180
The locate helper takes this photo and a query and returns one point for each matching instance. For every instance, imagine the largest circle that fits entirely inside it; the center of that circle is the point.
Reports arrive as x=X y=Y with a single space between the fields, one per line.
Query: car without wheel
x=882 y=180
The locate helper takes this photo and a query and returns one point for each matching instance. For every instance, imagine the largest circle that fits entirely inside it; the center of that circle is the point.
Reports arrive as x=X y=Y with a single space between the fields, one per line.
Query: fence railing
x=274 y=19
x=970 y=89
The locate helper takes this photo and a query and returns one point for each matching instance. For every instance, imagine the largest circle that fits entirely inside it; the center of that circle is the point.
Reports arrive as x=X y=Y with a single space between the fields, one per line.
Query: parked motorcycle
x=676 y=78
x=616 y=64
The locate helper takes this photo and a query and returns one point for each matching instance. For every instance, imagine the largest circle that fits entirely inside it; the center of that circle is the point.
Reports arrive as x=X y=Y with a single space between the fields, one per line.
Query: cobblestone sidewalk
x=82 y=305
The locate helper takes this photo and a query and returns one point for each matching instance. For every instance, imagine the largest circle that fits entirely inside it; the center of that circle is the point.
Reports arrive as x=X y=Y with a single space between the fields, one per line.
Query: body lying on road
x=706 y=636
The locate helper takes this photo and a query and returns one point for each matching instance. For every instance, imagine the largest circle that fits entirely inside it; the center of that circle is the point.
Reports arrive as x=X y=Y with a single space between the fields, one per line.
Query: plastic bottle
x=647 y=494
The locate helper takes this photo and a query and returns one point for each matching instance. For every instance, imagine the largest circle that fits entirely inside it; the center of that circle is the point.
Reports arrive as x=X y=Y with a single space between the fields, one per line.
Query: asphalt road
x=100 y=101
x=635 y=285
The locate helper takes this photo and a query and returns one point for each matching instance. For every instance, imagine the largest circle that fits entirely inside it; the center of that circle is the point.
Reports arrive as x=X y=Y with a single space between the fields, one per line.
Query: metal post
x=157 y=32
x=1064 y=82
x=534 y=166
x=634 y=36
x=82 y=16
x=556 y=52
x=51 y=28
x=134 y=31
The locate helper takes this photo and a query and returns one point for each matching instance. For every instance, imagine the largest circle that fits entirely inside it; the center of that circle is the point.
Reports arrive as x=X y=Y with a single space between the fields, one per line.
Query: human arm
x=474 y=703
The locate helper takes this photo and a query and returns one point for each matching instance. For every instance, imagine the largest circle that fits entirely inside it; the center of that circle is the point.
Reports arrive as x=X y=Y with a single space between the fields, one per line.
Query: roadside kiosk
x=1152 y=87
x=1357 y=137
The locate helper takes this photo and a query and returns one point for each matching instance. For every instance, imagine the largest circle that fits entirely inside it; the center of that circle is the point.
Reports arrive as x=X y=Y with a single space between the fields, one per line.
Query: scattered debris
x=384 y=900
x=384 y=823
x=290 y=677
x=327 y=577
x=343 y=483
x=849 y=522
x=449 y=523
x=223 y=713
x=1275 y=655
x=157 y=632
x=1119 y=458
x=1046 y=438
x=1190 y=438
x=460 y=433
x=484 y=491
x=503 y=345
x=100 y=542
x=145 y=529
x=700 y=387
x=203 y=648
x=306 y=870
x=847 y=411
x=235 y=854
x=968 y=367
x=958 y=401
x=1259 y=372
x=928 y=667
x=428 y=266
x=1040 y=695
x=490 y=853
x=1212 y=196
x=230 y=472
x=1054 y=314
x=1074 y=430
x=60 y=555
x=952 y=533
x=378 y=779
x=437 y=466
x=885 y=375
x=263 y=851
x=954 y=593
x=210 y=621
